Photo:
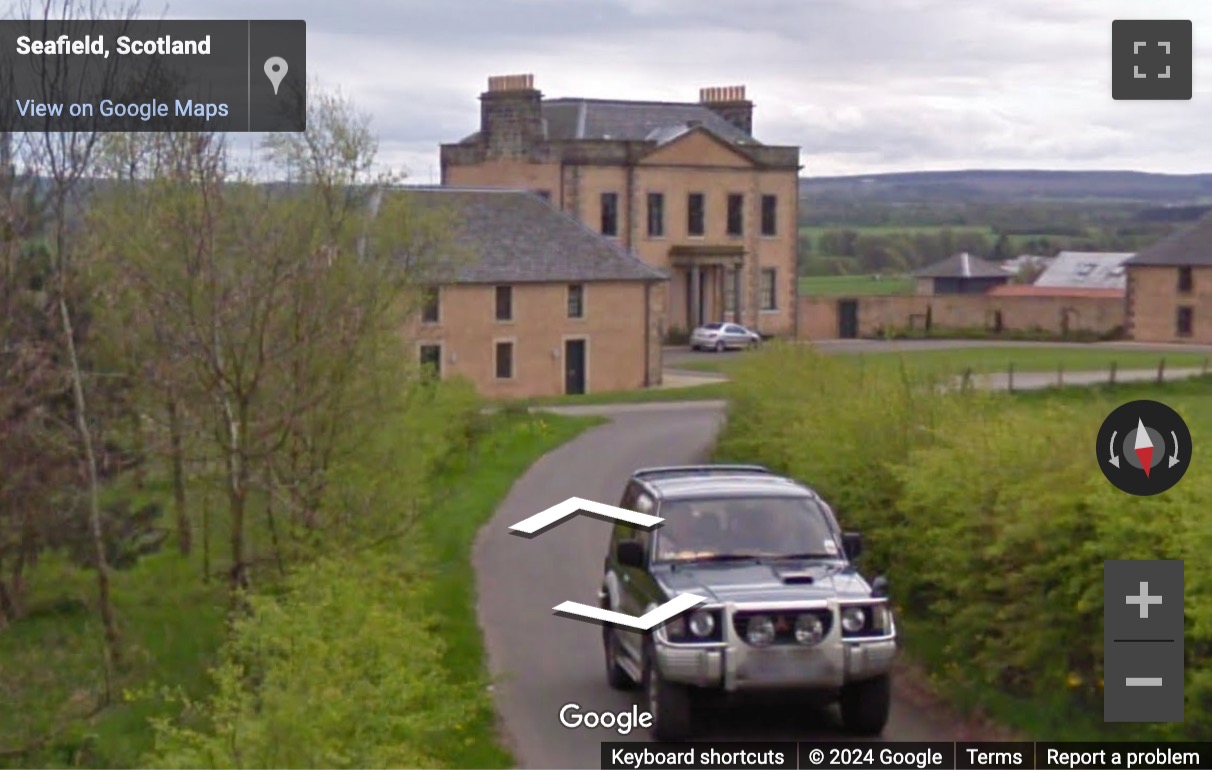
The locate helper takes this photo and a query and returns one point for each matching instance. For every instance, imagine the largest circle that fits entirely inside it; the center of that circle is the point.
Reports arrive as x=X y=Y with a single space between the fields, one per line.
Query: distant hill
x=1012 y=186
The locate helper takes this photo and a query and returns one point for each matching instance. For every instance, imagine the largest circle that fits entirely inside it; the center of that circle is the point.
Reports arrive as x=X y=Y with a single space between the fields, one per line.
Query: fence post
x=1161 y=370
x=967 y=379
x=1113 y=367
x=1010 y=377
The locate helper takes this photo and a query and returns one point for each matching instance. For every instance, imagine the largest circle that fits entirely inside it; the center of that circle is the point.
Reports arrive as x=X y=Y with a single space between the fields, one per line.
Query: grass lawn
x=50 y=664
x=854 y=285
x=477 y=487
x=705 y=392
x=992 y=360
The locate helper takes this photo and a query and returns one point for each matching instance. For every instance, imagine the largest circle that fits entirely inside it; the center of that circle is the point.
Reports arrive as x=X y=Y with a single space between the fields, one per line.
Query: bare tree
x=268 y=302
x=64 y=158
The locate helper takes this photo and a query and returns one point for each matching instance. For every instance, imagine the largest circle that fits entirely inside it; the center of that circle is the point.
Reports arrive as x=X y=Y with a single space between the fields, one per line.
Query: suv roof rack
x=671 y=471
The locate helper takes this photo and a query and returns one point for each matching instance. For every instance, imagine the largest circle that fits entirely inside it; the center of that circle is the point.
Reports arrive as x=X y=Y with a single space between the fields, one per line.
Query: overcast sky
x=862 y=86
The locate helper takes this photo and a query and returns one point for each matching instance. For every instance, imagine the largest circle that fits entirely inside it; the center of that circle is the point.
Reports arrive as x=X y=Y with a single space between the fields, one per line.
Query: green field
x=854 y=285
x=708 y=391
x=994 y=359
x=814 y=231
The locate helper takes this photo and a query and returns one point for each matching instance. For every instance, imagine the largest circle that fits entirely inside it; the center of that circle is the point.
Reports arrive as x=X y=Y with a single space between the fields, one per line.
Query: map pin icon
x=275 y=70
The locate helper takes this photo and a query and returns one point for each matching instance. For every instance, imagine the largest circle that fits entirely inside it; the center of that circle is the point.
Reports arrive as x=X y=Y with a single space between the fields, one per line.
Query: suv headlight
x=699 y=626
x=702 y=623
x=854 y=618
x=759 y=631
x=809 y=629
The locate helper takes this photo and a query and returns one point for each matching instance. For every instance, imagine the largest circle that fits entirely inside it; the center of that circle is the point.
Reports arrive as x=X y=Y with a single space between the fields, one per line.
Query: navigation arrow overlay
x=1174 y=457
x=1114 y=456
x=655 y=617
x=557 y=514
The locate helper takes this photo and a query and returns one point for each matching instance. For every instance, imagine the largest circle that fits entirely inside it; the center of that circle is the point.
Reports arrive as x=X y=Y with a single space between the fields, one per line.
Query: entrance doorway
x=847 y=319
x=574 y=367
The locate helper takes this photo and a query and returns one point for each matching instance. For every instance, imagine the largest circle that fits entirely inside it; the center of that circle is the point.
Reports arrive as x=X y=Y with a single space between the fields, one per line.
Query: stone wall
x=876 y=315
x=615 y=326
x=1156 y=297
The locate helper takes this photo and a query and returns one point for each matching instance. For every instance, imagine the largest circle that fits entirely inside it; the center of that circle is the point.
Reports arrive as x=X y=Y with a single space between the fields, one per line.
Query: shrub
x=677 y=335
x=341 y=671
x=835 y=423
x=987 y=513
x=383 y=482
x=1013 y=524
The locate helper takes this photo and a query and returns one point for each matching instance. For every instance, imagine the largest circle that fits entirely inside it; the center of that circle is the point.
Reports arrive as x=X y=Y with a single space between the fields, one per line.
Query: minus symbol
x=1144 y=681
x=1142 y=640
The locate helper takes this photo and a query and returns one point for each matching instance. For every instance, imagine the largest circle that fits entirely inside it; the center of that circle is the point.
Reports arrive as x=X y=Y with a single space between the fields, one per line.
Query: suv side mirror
x=852 y=544
x=630 y=553
x=879 y=587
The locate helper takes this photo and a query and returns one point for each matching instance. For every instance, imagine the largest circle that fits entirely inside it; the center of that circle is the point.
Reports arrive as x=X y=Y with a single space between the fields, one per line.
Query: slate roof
x=1191 y=246
x=569 y=119
x=514 y=236
x=1085 y=270
x=629 y=120
x=962 y=265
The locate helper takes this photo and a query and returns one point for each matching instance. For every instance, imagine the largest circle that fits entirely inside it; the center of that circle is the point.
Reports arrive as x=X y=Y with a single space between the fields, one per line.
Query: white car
x=724 y=336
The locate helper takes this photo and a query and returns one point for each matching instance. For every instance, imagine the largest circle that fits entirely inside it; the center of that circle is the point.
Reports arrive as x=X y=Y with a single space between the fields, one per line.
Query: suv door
x=635 y=584
x=735 y=336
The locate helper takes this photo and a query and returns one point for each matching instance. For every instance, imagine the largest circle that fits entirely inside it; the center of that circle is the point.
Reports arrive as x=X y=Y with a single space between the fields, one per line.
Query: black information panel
x=895 y=755
x=236 y=76
x=1143 y=627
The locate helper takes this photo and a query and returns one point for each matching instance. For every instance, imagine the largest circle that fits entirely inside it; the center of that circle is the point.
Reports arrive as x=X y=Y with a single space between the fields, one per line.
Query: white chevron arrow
x=573 y=505
x=653 y=618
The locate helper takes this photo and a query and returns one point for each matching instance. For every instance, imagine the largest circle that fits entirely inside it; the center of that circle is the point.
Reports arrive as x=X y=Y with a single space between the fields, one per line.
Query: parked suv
x=786 y=609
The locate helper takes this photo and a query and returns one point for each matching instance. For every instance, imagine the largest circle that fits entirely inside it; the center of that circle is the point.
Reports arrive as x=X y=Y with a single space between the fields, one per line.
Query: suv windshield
x=769 y=527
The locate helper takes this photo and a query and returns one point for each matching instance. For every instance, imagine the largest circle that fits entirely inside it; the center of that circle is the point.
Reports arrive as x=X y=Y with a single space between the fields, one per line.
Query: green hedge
x=344 y=671
x=1035 y=334
x=990 y=517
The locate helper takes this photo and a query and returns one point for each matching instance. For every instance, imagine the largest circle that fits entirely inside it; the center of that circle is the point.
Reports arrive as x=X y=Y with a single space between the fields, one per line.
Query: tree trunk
x=140 y=447
x=206 y=502
x=185 y=536
x=8 y=612
x=275 y=542
x=100 y=562
x=237 y=494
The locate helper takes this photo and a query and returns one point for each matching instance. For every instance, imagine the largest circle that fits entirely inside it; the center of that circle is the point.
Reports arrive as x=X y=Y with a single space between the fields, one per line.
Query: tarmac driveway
x=542 y=662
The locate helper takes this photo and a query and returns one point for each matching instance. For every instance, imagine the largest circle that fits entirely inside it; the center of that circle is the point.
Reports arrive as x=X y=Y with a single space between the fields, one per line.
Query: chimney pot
x=722 y=94
x=729 y=102
x=499 y=83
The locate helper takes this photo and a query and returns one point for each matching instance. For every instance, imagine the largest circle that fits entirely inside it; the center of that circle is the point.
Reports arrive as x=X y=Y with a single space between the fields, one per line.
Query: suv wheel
x=615 y=675
x=668 y=703
x=719 y=346
x=865 y=705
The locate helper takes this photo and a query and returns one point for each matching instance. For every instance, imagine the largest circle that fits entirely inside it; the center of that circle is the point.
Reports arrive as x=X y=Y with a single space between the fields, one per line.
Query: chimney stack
x=729 y=103
x=511 y=116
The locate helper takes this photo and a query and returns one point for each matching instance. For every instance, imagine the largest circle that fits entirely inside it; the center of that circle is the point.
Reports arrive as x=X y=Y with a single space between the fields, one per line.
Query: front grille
x=784 y=623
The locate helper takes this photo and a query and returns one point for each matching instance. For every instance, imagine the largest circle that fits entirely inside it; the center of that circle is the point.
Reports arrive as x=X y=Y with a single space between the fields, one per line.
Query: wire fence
x=1012 y=380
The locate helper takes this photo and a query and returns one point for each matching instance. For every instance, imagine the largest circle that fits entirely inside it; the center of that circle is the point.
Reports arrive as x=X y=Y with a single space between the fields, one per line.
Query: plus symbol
x=1144 y=600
